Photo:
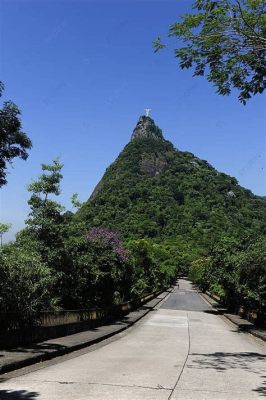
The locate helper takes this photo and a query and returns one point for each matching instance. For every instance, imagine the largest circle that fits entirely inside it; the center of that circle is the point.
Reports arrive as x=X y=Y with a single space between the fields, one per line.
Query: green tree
x=75 y=201
x=99 y=271
x=4 y=228
x=226 y=41
x=152 y=267
x=198 y=272
x=46 y=222
x=13 y=142
x=251 y=274
x=26 y=282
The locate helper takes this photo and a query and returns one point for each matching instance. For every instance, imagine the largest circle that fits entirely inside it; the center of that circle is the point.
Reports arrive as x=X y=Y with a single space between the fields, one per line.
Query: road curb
x=242 y=324
x=34 y=359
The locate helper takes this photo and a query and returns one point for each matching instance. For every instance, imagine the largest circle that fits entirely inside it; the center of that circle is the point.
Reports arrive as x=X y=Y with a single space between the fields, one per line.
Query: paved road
x=182 y=352
x=185 y=298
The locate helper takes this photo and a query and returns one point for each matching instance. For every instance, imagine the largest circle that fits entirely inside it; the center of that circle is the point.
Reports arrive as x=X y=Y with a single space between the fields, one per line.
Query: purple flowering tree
x=110 y=267
x=108 y=240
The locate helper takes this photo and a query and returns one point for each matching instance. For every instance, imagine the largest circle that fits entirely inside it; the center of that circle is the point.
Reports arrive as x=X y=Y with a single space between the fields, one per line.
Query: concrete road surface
x=180 y=351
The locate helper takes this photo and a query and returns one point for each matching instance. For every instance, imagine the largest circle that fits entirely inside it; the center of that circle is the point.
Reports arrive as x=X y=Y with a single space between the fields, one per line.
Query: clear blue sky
x=82 y=73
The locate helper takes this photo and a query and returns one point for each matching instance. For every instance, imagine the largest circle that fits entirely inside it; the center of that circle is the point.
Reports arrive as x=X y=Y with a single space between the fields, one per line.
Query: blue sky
x=83 y=71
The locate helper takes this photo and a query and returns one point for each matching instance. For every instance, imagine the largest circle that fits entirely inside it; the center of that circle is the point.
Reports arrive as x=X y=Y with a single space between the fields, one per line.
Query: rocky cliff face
x=146 y=128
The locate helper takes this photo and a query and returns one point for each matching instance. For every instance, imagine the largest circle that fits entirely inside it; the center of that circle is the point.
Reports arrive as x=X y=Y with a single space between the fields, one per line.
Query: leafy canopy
x=26 y=282
x=156 y=192
x=45 y=222
x=235 y=271
x=4 y=228
x=45 y=212
x=179 y=215
x=225 y=40
x=13 y=142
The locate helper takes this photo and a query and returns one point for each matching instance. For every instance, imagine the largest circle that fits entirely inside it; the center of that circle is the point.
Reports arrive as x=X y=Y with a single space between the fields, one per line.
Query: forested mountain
x=186 y=215
x=155 y=191
x=157 y=213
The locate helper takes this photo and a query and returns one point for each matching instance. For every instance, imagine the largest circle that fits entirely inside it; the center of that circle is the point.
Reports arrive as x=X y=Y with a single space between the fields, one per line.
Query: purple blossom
x=108 y=239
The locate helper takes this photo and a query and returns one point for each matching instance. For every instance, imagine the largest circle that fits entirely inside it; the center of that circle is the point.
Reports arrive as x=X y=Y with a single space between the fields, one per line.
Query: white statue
x=147 y=111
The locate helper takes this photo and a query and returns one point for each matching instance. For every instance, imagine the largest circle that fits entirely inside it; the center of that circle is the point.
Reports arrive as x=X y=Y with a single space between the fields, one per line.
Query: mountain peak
x=146 y=128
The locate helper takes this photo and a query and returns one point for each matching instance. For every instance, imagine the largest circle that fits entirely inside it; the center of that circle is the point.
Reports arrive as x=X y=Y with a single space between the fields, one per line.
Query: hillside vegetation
x=190 y=210
x=156 y=213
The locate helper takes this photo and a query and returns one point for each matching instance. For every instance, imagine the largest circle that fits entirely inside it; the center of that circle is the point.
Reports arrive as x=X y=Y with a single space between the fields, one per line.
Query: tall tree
x=13 y=142
x=45 y=219
x=226 y=41
x=4 y=228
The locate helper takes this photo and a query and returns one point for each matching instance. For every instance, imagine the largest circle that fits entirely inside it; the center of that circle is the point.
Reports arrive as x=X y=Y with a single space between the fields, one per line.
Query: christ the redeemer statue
x=147 y=111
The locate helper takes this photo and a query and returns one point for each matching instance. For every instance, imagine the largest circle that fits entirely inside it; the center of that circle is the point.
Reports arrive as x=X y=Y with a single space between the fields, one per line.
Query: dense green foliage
x=26 y=282
x=150 y=269
x=96 y=274
x=156 y=213
x=157 y=192
x=4 y=228
x=13 y=142
x=45 y=224
x=226 y=41
x=179 y=207
x=234 y=271
x=55 y=264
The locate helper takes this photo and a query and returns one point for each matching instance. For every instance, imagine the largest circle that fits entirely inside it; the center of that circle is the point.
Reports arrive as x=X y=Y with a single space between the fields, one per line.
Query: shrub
x=199 y=272
x=99 y=272
x=26 y=283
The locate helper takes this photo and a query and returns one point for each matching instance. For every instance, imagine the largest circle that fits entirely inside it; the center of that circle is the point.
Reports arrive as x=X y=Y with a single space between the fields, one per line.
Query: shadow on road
x=37 y=348
x=262 y=389
x=223 y=361
x=17 y=395
x=212 y=311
